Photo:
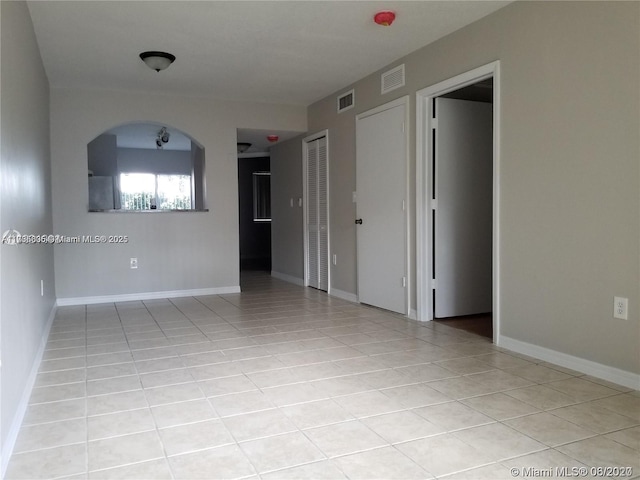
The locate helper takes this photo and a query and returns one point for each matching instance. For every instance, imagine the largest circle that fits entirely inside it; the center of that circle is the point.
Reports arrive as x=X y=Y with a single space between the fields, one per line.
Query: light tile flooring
x=286 y=382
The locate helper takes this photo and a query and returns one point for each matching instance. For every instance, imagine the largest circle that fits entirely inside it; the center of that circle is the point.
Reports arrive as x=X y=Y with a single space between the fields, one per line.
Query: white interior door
x=317 y=214
x=464 y=203
x=381 y=181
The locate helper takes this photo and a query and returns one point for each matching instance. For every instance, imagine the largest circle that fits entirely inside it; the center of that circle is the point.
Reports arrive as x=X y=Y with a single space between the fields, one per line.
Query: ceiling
x=258 y=139
x=144 y=135
x=290 y=52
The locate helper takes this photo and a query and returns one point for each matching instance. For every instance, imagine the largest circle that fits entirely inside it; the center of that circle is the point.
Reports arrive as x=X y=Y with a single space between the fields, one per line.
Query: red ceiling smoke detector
x=384 y=18
x=272 y=138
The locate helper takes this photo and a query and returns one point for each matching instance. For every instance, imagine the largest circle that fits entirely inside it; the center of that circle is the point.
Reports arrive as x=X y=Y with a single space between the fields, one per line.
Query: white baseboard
x=287 y=278
x=128 y=297
x=588 y=367
x=349 y=297
x=413 y=314
x=16 y=423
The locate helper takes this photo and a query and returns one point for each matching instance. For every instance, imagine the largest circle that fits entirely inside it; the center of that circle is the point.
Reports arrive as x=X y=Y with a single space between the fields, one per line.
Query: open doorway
x=457 y=201
x=254 y=207
x=462 y=218
x=255 y=155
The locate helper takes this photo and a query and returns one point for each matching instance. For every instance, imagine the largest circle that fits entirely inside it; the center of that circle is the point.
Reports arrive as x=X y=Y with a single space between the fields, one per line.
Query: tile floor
x=286 y=382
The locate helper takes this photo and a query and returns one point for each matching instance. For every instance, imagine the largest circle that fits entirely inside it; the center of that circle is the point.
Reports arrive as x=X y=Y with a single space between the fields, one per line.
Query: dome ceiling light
x=243 y=147
x=157 y=60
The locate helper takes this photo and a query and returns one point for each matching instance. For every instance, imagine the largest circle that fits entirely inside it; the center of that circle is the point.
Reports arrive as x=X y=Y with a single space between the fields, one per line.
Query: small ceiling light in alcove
x=384 y=18
x=157 y=60
x=163 y=137
x=243 y=147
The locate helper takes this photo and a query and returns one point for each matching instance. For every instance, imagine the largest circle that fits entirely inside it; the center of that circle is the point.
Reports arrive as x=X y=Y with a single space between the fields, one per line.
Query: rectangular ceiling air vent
x=393 y=79
x=345 y=101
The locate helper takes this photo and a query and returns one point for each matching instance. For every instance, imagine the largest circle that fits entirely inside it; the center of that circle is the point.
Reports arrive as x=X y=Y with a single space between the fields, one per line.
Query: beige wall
x=569 y=173
x=25 y=199
x=175 y=251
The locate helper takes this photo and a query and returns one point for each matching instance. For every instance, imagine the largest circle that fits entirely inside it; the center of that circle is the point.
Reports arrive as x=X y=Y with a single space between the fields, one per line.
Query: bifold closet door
x=317 y=214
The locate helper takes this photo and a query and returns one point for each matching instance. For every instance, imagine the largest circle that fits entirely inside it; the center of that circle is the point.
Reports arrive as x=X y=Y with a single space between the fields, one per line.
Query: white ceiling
x=258 y=138
x=144 y=135
x=292 y=52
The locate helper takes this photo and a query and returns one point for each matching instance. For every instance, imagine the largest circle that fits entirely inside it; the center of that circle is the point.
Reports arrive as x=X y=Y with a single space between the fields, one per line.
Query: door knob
x=359 y=221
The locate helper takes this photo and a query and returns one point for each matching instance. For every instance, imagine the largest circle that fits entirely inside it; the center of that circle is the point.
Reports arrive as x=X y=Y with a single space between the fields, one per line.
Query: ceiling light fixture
x=384 y=18
x=243 y=147
x=163 y=137
x=157 y=60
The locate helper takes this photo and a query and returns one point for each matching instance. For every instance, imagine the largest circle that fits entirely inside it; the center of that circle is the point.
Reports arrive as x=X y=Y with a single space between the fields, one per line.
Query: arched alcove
x=145 y=167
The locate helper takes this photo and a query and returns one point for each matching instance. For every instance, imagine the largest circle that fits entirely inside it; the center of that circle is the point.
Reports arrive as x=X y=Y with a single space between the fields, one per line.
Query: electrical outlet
x=133 y=262
x=621 y=308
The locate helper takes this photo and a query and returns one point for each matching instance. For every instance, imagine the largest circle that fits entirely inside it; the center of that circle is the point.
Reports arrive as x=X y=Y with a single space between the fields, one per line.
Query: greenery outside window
x=148 y=191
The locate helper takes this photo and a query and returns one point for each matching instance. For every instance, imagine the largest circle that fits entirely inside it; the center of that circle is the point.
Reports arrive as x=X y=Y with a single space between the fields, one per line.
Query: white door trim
x=424 y=162
x=305 y=146
x=407 y=125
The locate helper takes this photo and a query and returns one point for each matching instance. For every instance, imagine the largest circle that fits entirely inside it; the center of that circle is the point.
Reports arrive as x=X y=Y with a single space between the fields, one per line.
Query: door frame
x=305 y=199
x=424 y=189
x=407 y=232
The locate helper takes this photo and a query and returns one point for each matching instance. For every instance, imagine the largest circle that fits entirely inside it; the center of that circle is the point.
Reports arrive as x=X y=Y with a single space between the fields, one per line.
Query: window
x=148 y=191
x=173 y=192
x=261 y=196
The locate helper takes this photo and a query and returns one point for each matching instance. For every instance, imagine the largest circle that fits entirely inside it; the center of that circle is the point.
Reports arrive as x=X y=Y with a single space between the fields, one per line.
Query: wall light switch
x=133 y=263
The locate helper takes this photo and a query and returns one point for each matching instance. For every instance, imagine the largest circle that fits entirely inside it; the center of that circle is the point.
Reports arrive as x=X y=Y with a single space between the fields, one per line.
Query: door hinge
x=404 y=282
x=404 y=205
x=433 y=284
x=434 y=123
x=434 y=204
x=403 y=127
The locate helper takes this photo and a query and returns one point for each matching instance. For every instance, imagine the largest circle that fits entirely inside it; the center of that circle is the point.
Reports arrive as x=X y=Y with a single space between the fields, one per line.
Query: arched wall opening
x=145 y=166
